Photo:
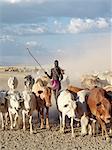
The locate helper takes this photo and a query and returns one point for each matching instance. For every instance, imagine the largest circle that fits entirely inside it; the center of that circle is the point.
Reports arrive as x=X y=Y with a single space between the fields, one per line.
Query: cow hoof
x=42 y=126
x=62 y=131
x=110 y=132
x=108 y=139
x=11 y=128
x=73 y=135
x=24 y=129
x=48 y=127
x=3 y=128
x=31 y=132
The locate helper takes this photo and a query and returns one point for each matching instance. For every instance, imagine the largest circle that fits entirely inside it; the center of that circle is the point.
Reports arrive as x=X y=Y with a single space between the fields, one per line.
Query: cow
x=82 y=112
x=100 y=107
x=3 y=108
x=14 y=100
x=90 y=81
x=108 y=88
x=74 y=89
x=43 y=94
x=30 y=105
x=66 y=107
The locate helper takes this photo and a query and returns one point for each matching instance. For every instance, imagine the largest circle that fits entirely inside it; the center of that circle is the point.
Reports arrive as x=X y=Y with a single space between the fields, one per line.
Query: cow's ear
x=98 y=104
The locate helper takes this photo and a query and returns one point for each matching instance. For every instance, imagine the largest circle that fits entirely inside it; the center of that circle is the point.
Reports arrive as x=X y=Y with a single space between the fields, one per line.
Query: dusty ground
x=46 y=139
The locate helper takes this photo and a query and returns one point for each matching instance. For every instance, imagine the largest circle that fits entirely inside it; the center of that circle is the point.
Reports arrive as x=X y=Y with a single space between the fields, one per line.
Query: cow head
x=28 y=81
x=12 y=83
x=70 y=106
x=103 y=110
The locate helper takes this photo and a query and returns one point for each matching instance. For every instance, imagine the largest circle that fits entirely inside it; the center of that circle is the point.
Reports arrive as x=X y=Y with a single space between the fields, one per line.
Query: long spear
x=35 y=59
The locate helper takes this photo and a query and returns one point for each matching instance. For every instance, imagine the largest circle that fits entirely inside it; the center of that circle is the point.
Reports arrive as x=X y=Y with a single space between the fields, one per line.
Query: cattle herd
x=89 y=108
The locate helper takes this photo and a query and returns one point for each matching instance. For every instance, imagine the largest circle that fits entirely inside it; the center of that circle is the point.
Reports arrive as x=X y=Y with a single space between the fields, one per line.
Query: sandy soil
x=46 y=139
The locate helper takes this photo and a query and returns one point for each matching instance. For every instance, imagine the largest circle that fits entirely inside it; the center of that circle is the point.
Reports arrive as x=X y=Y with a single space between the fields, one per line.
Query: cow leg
x=15 y=120
x=89 y=129
x=63 y=121
x=42 y=118
x=110 y=131
x=31 y=126
x=84 y=123
x=1 y=115
x=11 y=119
x=23 y=115
x=60 y=116
x=72 y=127
x=47 y=118
x=93 y=127
x=6 y=119
x=103 y=126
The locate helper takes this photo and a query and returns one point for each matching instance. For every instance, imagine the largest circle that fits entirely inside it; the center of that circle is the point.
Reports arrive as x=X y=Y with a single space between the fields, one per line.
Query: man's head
x=56 y=63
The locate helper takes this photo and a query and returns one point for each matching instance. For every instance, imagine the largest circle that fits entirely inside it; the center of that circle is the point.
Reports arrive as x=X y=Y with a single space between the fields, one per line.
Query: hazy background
x=76 y=32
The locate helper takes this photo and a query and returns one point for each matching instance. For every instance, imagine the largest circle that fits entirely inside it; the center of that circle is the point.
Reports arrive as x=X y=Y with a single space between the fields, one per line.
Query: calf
x=13 y=107
x=30 y=105
x=3 y=108
x=82 y=111
x=100 y=107
x=66 y=107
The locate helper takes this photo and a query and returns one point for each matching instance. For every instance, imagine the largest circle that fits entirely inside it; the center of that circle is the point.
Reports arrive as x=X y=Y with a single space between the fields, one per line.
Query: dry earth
x=46 y=139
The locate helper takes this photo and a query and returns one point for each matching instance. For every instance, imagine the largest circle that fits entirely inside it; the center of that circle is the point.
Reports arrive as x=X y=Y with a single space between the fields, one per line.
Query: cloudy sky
x=74 y=31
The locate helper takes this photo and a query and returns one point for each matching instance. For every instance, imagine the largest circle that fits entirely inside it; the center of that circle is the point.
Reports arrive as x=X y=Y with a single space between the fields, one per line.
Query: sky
x=76 y=32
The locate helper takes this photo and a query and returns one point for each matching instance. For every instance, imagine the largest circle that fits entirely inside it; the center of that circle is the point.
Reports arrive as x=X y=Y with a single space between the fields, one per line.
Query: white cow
x=67 y=107
x=29 y=100
x=13 y=107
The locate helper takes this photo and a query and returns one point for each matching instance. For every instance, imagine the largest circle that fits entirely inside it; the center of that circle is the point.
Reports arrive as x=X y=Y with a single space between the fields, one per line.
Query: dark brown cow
x=100 y=107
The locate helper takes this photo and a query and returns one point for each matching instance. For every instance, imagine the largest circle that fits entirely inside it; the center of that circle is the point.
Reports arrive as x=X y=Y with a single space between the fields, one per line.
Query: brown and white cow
x=30 y=105
x=43 y=94
x=82 y=111
x=100 y=107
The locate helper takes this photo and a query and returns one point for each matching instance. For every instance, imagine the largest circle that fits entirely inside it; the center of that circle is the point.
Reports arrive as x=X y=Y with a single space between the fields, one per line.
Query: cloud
x=23 y=29
x=31 y=44
x=102 y=23
x=5 y=38
x=80 y=25
x=73 y=25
